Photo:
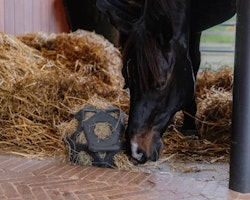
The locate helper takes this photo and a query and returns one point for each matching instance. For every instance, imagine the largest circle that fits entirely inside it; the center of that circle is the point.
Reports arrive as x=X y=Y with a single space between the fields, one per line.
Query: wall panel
x=9 y=16
x=1 y=14
x=30 y=16
x=19 y=16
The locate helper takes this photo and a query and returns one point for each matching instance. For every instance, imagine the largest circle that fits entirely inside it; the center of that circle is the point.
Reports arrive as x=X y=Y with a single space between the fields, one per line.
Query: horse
x=85 y=15
x=160 y=51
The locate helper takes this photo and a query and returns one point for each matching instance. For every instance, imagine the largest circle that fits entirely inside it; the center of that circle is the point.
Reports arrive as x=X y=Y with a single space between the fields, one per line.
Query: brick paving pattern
x=25 y=179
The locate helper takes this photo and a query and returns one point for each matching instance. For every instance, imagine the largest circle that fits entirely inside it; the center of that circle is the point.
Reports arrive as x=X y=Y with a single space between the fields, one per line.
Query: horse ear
x=120 y=24
x=122 y=13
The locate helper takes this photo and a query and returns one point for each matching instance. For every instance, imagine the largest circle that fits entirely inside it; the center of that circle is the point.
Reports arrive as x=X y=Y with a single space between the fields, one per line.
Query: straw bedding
x=45 y=79
x=214 y=110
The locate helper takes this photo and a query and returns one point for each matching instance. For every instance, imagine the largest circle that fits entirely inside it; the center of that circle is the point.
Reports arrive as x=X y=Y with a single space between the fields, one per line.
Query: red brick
x=84 y=172
x=74 y=171
x=129 y=178
x=16 y=164
x=9 y=190
x=50 y=183
x=85 y=197
x=69 y=196
x=93 y=174
x=54 y=195
x=139 y=179
x=60 y=171
x=13 y=177
x=118 y=176
x=6 y=163
x=23 y=190
x=138 y=194
x=39 y=193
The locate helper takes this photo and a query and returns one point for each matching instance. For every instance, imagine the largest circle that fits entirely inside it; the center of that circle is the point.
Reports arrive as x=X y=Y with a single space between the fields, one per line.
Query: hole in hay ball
x=103 y=130
x=102 y=155
x=81 y=139
x=88 y=115
x=115 y=114
x=84 y=159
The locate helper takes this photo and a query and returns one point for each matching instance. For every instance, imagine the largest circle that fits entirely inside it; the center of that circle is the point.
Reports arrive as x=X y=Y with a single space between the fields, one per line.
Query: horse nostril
x=139 y=155
x=142 y=158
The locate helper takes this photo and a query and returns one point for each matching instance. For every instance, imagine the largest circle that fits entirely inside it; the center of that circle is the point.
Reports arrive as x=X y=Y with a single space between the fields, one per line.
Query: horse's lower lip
x=141 y=161
x=154 y=159
x=136 y=161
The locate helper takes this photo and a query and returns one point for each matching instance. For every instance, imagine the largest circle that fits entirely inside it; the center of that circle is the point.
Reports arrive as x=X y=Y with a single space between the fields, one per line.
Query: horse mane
x=146 y=42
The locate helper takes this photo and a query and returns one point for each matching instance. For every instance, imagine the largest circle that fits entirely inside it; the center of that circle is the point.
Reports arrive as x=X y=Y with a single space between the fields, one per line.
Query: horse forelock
x=143 y=46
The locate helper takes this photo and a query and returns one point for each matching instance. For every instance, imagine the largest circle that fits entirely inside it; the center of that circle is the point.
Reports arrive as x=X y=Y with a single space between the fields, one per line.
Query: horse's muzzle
x=143 y=155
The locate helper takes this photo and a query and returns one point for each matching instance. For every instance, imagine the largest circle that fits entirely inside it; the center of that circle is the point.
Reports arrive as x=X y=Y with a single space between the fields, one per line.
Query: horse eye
x=162 y=86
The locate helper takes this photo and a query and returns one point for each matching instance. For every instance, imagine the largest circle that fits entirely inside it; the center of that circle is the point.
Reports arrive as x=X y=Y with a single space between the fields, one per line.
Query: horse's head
x=160 y=84
x=157 y=70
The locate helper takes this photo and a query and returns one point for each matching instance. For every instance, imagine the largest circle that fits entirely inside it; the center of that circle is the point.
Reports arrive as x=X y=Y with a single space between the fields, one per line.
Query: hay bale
x=220 y=79
x=80 y=52
x=214 y=104
x=215 y=112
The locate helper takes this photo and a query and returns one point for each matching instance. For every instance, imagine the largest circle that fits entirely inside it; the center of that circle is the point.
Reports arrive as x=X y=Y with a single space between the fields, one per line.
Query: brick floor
x=24 y=179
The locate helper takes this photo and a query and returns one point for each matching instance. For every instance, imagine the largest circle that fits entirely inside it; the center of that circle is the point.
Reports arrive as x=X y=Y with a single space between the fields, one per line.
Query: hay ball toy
x=98 y=137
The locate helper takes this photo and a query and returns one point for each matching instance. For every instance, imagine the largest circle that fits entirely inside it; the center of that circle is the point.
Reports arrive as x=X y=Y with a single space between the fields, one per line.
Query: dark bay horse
x=160 y=47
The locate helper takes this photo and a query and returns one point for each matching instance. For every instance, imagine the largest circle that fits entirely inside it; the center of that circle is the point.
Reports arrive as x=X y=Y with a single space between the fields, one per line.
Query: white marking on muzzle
x=135 y=154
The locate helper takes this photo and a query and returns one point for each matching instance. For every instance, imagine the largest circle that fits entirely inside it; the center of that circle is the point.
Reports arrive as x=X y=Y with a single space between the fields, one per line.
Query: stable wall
x=30 y=16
